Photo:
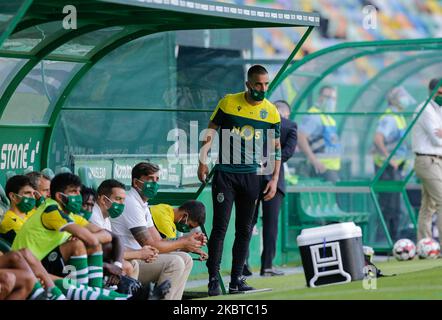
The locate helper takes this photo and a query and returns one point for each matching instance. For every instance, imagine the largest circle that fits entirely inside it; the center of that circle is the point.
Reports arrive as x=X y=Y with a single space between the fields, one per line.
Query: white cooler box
x=332 y=254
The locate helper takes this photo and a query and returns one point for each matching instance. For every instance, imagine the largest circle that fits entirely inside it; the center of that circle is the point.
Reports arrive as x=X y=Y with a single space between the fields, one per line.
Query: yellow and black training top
x=11 y=224
x=245 y=129
x=44 y=231
x=163 y=218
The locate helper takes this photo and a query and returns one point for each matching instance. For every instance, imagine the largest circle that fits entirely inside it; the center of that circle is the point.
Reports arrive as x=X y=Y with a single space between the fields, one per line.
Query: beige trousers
x=135 y=269
x=429 y=171
x=175 y=266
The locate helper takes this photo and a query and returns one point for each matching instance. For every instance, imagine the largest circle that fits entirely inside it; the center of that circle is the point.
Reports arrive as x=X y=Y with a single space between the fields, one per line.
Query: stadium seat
x=48 y=173
x=87 y=178
x=28 y=170
x=10 y=174
x=314 y=208
x=4 y=201
x=63 y=170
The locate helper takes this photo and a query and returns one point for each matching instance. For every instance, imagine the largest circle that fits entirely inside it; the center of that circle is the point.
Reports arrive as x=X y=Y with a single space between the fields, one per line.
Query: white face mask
x=328 y=105
x=395 y=109
x=404 y=102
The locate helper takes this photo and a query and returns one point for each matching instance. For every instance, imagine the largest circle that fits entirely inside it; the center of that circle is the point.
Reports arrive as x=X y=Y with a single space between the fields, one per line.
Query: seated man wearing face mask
x=57 y=236
x=42 y=184
x=391 y=128
x=20 y=192
x=109 y=203
x=21 y=228
x=318 y=137
x=136 y=229
x=188 y=216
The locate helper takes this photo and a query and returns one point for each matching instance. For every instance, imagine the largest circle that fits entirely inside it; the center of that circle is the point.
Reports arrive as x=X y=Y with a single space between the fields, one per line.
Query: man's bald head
x=283 y=108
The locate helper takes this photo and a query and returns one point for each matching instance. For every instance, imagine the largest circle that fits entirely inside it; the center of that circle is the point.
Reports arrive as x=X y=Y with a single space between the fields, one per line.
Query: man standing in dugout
x=245 y=120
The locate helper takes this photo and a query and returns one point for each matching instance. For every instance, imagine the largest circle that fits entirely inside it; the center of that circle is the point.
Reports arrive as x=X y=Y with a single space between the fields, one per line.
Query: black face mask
x=257 y=95
x=183 y=227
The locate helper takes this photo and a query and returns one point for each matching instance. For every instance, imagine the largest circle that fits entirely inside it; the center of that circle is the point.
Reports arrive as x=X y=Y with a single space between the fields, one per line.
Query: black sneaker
x=160 y=290
x=246 y=271
x=271 y=272
x=140 y=293
x=239 y=286
x=148 y=292
x=214 y=288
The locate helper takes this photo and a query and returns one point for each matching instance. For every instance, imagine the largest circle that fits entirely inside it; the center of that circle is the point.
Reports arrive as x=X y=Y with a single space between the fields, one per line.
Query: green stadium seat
x=4 y=201
x=62 y=170
x=10 y=174
x=87 y=178
x=320 y=208
x=310 y=211
x=28 y=170
x=48 y=173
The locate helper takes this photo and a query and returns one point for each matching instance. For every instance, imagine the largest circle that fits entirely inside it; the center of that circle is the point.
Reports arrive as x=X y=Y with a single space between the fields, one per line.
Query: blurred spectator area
x=343 y=20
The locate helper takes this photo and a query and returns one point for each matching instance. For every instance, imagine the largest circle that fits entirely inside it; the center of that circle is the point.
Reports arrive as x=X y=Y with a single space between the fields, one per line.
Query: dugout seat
x=87 y=178
x=62 y=170
x=28 y=170
x=320 y=208
x=10 y=174
x=4 y=201
x=48 y=173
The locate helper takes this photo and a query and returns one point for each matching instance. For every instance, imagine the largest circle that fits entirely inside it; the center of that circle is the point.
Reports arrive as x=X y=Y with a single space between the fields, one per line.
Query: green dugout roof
x=372 y=70
x=38 y=35
x=364 y=74
x=115 y=81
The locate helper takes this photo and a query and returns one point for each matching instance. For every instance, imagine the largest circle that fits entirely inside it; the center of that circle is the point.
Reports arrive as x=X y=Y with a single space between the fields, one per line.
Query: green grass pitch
x=416 y=279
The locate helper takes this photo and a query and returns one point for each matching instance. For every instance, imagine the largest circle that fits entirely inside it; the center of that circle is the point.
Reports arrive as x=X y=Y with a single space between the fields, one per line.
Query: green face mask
x=150 y=189
x=85 y=214
x=438 y=100
x=73 y=203
x=116 y=209
x=39 y=201
x=26 y=204
x=183 y=227
x=257 y=95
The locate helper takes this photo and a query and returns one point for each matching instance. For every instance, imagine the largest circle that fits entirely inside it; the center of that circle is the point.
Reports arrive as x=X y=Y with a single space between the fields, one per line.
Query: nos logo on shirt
x=247 y=132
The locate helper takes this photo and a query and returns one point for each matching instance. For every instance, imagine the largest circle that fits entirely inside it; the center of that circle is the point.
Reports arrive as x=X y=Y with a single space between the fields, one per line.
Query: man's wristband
x=278 y=154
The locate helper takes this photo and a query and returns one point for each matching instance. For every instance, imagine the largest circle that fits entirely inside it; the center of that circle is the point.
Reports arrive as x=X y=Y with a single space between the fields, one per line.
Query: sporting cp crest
x=220 y=197
x=263 y=113
x=53 y=256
